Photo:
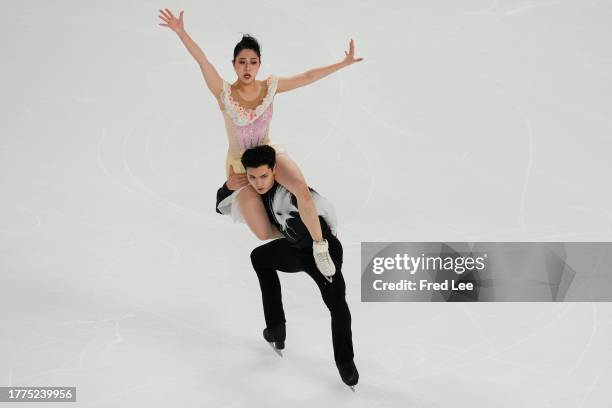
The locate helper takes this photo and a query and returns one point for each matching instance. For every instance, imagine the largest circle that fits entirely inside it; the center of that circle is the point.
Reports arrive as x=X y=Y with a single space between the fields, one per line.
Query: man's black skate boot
x=276 y=335
x=348 y=372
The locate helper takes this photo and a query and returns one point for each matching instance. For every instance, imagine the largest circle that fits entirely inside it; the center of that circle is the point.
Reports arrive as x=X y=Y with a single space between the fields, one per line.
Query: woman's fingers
x=165 y=18
x=351 y=52
x=172 y=22
x=163 y=13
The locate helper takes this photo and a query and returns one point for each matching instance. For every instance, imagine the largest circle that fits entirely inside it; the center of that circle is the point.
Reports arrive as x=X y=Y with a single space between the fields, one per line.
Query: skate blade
x=352 y=387
x=280 y=353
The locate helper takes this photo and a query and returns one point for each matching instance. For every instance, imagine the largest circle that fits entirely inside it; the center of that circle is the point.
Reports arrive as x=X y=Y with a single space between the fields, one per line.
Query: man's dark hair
x=258 y=156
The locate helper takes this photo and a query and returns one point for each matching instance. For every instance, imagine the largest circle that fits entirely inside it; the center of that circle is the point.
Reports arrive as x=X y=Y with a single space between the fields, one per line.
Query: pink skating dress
x=247 y=125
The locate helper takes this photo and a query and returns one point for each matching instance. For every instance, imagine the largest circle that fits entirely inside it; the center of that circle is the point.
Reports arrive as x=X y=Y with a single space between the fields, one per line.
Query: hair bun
x=247 y=42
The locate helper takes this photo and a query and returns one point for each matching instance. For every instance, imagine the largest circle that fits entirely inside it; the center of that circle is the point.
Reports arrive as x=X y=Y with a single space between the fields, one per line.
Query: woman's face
x=246 y=65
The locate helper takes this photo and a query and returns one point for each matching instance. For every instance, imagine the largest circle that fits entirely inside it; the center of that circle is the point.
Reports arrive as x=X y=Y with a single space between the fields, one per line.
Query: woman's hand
x=236 y=180
x=175 y=24
x=350 y=55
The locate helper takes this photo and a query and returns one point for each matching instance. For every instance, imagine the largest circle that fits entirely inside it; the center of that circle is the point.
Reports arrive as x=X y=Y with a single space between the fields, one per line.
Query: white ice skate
x=325 y=264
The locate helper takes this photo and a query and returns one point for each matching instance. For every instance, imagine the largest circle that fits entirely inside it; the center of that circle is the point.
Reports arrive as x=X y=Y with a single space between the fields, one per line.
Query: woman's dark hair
x=258 y=156
x=248 y=42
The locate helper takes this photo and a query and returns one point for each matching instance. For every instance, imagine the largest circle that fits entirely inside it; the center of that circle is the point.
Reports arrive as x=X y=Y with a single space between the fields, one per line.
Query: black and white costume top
x=281 y=208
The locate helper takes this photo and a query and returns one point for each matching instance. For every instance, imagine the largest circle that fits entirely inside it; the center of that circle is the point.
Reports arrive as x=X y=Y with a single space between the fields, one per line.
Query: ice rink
x=476 y=120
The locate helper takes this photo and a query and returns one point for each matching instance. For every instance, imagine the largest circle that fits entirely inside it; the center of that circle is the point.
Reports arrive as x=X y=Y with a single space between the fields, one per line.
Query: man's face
x=261 y=178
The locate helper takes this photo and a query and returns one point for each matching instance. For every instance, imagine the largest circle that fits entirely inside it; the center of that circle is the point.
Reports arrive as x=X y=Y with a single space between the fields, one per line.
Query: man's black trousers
x=278 y=255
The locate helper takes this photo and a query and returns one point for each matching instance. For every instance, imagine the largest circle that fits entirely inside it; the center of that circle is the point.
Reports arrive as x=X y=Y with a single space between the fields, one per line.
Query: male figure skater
x=293 y=253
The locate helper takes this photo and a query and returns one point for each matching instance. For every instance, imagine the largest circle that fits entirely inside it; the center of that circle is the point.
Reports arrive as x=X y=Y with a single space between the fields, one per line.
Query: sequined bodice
x=253 y=134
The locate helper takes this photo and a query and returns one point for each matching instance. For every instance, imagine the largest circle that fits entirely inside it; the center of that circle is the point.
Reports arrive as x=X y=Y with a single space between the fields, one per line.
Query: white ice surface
x=467 y=120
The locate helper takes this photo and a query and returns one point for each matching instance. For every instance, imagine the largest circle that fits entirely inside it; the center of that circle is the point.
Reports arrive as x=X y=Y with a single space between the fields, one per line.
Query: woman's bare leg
x=288 y=174
x=254 y=213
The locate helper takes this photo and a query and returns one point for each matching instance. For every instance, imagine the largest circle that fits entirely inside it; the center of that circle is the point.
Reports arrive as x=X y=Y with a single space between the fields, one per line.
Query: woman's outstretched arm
x=312 y=75
x=211 y=76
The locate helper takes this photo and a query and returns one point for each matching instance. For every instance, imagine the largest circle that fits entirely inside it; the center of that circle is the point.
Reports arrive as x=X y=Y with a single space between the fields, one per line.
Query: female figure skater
x=247 y=110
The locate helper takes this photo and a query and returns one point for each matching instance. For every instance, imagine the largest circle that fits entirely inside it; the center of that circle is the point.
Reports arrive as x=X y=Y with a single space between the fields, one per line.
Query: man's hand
x=236 y=180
